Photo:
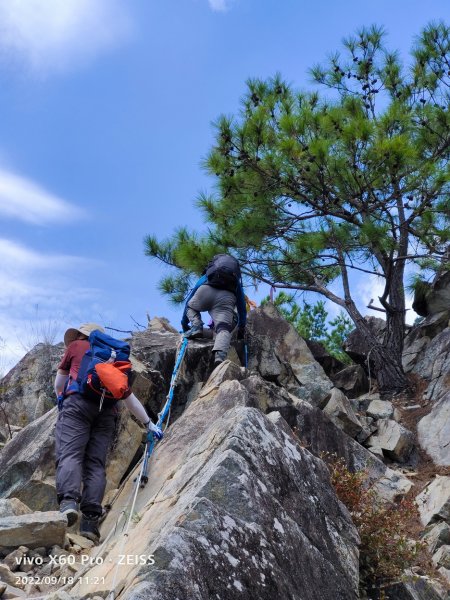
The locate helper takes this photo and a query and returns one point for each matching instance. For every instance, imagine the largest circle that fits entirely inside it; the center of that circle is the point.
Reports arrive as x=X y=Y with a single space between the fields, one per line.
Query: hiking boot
x=194 y=332
x=219 y=357
x=70 y=509
x=89 y=527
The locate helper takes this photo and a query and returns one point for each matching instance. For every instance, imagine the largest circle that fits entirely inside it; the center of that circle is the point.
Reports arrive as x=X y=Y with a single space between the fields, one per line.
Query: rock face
x=239 y=502
x=434 y=366
x=33 y=530
x=320 y=436
x=419 y=336
x=280 y=355
x=434 y=501
x=340 y=411
x=394 y=439
x=28 y=387
x=233 y=506
x=26 y=463
x=356 y=345
x=433 y=298
x=434 y=431
x=352 y=381
x=156 y=349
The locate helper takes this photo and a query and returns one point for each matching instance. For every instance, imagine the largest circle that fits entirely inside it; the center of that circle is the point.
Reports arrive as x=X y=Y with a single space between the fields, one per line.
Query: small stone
x=434 y=502
x=437 y=536
x=12 y=507
x=14 y=579
x=380 y=409
x=13 y=593
x=376 y=450
x=80 y=541
x=445 y=574
x=395 y=440
x=14 y=559
x=46 y=569
x=392 y=486
x=56 y=551
x=441 y=558
x=41 y=551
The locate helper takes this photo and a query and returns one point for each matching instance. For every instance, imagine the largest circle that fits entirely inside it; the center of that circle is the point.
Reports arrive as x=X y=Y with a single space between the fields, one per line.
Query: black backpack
x=223 y=272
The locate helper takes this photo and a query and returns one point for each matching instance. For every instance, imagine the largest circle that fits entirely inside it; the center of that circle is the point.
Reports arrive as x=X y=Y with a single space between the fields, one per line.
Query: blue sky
x=106 y=109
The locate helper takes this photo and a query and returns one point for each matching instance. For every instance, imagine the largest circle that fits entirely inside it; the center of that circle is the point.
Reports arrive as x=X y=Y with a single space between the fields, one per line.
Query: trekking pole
x=245 y=350
x=143 y=478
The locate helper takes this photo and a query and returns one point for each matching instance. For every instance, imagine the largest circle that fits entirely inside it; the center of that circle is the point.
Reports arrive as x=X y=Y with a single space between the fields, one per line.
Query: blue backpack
x=104 y=349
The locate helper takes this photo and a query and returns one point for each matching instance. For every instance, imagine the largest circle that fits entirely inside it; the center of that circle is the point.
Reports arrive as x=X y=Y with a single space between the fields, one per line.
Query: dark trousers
x=82 y=438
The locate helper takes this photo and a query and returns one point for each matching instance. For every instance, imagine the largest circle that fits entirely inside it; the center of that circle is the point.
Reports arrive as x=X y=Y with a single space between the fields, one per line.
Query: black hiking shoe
x=219 y=357
x=70 y=509
x=194 y=333
x=89 y=527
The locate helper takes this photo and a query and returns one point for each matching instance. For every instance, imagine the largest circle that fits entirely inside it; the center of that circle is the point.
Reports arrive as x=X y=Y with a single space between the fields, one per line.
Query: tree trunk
x=389 y=372
x=385 y=357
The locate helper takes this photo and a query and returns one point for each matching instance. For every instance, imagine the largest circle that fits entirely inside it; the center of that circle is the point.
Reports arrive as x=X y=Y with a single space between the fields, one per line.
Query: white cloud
x=23 y=199
x=220 y=5
x=16 y=256
x=38 y=293
x=371 y=288
x=53 y=35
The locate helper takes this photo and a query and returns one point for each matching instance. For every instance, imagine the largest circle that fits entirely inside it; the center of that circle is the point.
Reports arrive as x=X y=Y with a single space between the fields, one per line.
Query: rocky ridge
x=239 y=502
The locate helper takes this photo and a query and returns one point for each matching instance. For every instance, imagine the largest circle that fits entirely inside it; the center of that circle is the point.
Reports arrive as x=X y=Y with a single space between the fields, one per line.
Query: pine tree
x=311 y=187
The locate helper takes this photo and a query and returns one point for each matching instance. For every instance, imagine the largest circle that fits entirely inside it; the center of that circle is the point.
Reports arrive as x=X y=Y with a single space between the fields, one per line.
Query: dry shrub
x=386 y=548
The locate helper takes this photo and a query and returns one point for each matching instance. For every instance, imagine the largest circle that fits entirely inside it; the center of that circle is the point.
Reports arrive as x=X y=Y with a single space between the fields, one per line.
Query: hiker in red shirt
x=82 y=437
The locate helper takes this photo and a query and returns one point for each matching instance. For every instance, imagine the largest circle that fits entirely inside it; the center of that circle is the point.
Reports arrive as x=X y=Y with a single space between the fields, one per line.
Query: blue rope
x=162 y=416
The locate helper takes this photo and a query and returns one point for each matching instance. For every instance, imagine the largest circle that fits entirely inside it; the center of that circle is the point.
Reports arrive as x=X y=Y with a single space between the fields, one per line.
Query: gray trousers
x=82 y=438
x=220 y=304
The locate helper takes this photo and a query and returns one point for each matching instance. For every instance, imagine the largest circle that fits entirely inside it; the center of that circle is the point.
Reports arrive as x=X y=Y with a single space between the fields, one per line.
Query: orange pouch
x=114 y=377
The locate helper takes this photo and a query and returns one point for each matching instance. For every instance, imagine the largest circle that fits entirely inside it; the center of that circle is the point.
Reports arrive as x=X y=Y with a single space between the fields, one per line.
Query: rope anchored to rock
x=142 y=478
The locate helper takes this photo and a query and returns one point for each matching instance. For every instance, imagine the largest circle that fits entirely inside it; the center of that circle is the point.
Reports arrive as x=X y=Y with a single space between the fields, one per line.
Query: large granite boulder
x=413 y=587
x=34 y=530
x=321 y=436
x=434 y=431
x=434 y=366
x=419 y=336
x=340 y=411
x=356 y=344
x=430 y=299
x=352 y=380
x=279 y=354
x=27 y=390
x=12 y=507
x=396 y=441
x=28 y=461
x=329 y=363
x=233 y=506
x=434 y=501
x=156 y=349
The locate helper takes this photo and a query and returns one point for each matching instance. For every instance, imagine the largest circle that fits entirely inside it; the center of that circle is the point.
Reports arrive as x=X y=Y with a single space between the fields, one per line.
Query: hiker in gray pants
x=220 y=305
x=218 y=291
x=82 y=439
x=84 y=432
